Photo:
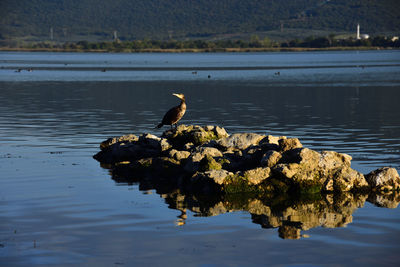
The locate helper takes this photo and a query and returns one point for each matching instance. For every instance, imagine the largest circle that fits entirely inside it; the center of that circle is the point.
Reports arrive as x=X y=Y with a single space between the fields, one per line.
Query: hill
x=71 y=20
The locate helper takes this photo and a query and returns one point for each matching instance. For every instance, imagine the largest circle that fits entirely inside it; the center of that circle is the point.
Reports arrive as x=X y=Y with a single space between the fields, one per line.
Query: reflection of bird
x=174 y=114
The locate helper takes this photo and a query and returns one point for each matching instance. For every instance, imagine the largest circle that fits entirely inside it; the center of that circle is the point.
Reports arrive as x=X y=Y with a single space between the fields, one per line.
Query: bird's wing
x=168 y=117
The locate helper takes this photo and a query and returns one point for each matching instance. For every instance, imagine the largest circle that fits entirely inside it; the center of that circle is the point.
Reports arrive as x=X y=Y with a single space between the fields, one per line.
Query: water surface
x=60 y=207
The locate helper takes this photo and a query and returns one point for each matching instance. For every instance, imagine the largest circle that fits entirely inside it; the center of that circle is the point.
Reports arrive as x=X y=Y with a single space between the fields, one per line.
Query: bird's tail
x=160 y=125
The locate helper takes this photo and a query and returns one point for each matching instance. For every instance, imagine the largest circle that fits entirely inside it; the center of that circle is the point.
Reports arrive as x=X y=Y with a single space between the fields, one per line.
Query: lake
x=59 y=207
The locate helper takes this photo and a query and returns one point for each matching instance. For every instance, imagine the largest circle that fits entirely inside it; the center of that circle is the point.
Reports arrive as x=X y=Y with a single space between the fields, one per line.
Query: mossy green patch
x=238 y=184
x=203 y=137
x=309 y=187
x=224 y=162
x=208 y=163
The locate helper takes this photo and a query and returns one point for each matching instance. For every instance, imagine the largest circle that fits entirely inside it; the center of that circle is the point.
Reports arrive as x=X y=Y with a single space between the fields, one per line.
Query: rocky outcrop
x=208 y=160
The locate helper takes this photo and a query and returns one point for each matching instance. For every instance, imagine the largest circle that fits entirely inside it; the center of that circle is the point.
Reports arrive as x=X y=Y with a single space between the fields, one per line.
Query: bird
x=174 y=114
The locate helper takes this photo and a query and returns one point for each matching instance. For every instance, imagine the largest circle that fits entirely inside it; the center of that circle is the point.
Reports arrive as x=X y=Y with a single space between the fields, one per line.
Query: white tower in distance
x=358 y=32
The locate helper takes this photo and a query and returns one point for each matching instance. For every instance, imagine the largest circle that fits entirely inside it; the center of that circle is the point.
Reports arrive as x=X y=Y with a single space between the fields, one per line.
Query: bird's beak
x=178 y=96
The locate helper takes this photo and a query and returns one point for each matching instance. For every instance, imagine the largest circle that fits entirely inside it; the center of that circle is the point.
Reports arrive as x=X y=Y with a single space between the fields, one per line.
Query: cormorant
x=174 y=114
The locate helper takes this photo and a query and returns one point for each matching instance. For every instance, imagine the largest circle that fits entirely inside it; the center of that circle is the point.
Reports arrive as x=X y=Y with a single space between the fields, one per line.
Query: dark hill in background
x=94 y=20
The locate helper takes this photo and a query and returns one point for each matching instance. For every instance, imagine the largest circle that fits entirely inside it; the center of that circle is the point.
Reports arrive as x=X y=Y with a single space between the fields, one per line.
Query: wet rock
x=385 y=179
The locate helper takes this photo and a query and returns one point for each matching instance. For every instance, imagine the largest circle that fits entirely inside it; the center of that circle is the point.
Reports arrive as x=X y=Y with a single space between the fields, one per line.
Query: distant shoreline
x=198 y=50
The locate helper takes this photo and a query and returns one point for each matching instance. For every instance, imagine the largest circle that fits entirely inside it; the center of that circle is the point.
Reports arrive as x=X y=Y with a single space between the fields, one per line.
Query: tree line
x=254 y=42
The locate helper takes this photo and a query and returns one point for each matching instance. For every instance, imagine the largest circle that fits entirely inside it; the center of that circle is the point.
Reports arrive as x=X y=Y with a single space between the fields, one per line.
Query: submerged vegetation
x=254 y=44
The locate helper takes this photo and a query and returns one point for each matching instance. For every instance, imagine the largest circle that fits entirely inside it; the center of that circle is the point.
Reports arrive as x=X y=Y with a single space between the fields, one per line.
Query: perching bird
x=174 y=114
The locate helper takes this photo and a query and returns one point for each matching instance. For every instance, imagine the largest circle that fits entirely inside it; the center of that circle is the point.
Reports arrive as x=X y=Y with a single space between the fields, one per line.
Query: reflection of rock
x=390 y=200
x=290 y=213
x=204 y=158
x=289 y=232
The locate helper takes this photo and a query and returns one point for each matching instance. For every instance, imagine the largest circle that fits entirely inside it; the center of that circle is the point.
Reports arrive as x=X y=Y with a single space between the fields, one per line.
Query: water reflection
x=292 y=214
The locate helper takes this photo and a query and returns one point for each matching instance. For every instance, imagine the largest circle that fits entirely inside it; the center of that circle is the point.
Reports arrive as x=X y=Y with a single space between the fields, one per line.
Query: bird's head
x=180 y=96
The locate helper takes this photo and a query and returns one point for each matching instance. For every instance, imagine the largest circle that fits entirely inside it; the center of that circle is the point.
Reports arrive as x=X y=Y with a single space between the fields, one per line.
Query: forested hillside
x=163 y=19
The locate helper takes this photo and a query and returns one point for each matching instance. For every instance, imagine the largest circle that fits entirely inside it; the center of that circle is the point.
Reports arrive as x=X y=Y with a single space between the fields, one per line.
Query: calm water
x=58 y=206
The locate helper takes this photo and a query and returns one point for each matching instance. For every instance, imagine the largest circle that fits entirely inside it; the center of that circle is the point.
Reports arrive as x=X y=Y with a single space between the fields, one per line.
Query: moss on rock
x=208 y=163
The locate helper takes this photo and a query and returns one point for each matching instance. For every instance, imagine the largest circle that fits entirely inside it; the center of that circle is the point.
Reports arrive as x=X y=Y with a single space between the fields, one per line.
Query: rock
x=217 y=176
x=124 y=138
x=240 y=141
x=269 y=139
x=193 y=162
x=331 y=160
x=119 y=152
x=270 y=158
x=150 y=141
x=257 y=175
x=208 y=163
x=384 y=179
x=300 y=164
x=209 y=127
x=200 y=152
x=178 y=155
x=188 y=146
x=287 y=170
x=288 y=144
x=248 y=162
x=301 y=156
x=252 y=157
x=328 y=185
x=220 y=132
x=165 y=145
x=347 y=179
x=193 y=134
